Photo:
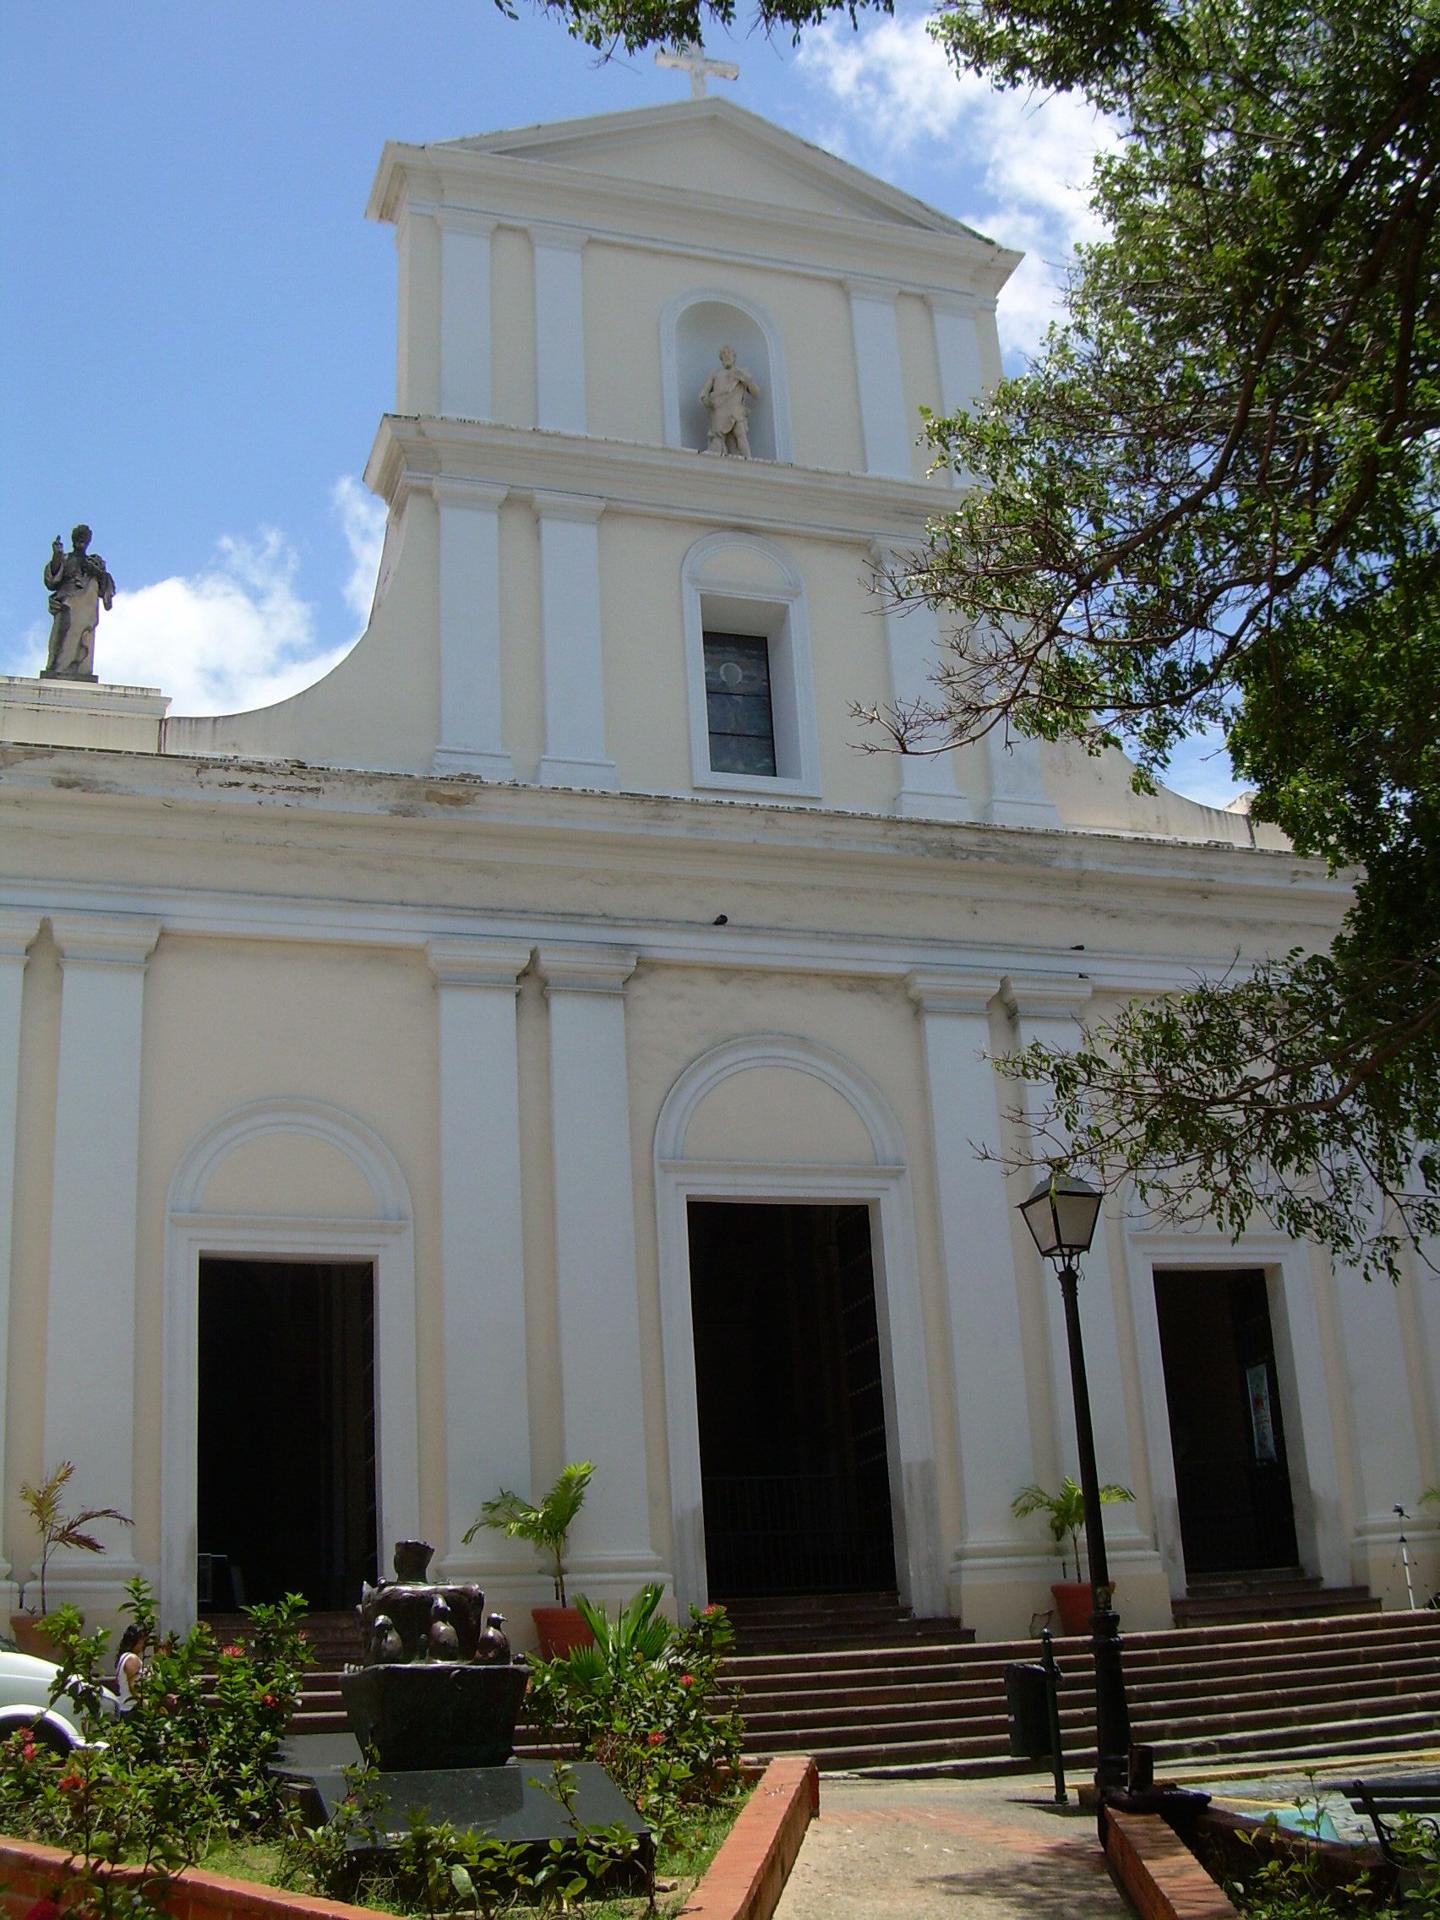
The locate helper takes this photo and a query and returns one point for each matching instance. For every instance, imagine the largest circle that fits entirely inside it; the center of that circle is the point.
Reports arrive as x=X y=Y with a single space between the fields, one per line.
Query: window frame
x=722 y=602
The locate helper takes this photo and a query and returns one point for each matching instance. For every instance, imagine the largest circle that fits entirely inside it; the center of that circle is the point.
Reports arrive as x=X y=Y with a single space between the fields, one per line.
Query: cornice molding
x=760 y=496
x=522 y=192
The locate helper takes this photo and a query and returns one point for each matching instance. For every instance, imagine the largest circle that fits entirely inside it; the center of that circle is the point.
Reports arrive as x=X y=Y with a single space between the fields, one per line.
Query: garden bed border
x=743 y=1881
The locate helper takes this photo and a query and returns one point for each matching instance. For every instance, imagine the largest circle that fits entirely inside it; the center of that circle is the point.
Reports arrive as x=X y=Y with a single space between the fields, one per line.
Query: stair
x=1267 y=1593
x=802 y=1623
x=1305 y=1688
x=858 y=1683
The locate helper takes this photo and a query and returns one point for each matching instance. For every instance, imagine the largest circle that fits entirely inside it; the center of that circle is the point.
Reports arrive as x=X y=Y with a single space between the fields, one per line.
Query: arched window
x=747 y=658
x=693 y=329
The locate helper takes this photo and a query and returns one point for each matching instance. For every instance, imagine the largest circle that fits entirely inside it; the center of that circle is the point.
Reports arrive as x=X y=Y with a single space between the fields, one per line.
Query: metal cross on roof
x=694 y=60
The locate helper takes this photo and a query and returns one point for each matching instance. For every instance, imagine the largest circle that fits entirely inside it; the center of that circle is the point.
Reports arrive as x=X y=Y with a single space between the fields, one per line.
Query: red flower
x=655 y=1737
x=29 y=1750
x=69 y=1782
x=687 y=1679
x=268 y=1700
x=714 y=1607
x=233 y=1651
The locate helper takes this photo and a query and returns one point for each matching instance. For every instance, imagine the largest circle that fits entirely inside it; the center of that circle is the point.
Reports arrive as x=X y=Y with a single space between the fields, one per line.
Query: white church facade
x=553 y=1036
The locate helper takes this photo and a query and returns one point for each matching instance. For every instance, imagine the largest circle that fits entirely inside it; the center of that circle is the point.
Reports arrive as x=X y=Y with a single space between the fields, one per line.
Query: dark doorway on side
x=286 y=1432
x=792 y=1410
x=1226 y=1430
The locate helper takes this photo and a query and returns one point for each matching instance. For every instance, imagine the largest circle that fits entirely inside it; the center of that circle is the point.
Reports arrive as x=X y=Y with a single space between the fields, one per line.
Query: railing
x=798 y=1532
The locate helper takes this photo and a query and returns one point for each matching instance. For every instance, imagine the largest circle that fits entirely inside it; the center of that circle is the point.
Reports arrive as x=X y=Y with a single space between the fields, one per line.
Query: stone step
x=954 y=1680
x=1217 y=1609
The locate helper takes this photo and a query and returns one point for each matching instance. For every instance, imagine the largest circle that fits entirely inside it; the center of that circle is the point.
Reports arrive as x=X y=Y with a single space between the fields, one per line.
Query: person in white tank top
x=129 y=1660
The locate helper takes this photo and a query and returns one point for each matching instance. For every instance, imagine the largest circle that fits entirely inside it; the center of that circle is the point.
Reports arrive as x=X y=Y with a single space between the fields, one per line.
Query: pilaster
x=575 y=754
x=558 y=254
x=465 y=329
x=1049 y=1009
x=602 y=1411
x=482 y=1247
x=90 y=1341
x=1001 y=1575
x=472 y=736
x=1386 y=1454
x=955 y=323
x=17 y=931
x=888 y=435
x=926 y=787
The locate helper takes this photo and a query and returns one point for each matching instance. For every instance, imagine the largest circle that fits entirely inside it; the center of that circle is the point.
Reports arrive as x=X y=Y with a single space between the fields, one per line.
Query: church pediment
x=712 y=146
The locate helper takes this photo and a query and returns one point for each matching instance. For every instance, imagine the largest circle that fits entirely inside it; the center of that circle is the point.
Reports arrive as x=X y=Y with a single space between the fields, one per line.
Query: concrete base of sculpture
x=435 y=1714
x=516 y=1803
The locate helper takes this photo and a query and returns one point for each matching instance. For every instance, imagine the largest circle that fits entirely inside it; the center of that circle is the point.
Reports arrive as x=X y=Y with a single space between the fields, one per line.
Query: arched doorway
x=292 y=1210
x=846 y=1205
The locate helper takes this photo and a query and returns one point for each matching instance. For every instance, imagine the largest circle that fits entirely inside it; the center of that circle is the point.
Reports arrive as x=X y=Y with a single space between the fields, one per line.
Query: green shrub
x=155 y=1787
x=647 y=1702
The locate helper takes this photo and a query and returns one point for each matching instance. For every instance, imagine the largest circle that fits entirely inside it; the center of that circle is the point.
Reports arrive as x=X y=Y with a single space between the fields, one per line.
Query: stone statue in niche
x=726 y=397
x=79 y=586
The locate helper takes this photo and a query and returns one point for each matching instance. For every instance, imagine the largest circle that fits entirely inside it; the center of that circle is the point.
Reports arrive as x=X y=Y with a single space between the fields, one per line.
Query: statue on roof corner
x=726 y=397
x=79 y=586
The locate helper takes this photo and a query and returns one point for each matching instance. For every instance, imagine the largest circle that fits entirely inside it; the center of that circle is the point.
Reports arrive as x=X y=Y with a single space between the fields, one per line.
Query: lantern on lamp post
x=1062 y=1214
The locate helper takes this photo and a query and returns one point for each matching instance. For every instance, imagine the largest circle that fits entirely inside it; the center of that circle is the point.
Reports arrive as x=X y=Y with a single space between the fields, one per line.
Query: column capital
x=862 y=288
x=581 y=969
x=459 y=490
x=937 y=990
x=104 y=940
x=1045 y=996
x=462 y=961
x=459 y=219
x=584 y=507
x=544 y=233
x=951 y=300
x=18 y=928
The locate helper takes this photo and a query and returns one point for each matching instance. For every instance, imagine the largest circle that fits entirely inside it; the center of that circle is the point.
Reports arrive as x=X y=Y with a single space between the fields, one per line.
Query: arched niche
x=293 y=1180
x=694 y=327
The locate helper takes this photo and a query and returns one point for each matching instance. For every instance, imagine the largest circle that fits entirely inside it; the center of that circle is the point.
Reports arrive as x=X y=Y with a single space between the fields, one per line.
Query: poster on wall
x=1262 y=1424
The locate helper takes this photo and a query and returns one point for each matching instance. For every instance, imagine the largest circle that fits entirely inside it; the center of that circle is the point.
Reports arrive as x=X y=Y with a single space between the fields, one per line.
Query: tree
x=1211 y=502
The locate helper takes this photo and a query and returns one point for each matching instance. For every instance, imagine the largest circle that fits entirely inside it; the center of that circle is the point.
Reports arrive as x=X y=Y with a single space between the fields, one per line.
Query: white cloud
x=1014 y=165
x=362 y=520
x=1200 y=769
x=238 y=634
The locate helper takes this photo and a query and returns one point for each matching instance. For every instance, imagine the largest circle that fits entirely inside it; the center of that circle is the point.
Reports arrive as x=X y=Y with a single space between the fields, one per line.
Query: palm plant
x=1064 y=1513
x=637 y=1632
x=546 y=1524
x=57 y=1529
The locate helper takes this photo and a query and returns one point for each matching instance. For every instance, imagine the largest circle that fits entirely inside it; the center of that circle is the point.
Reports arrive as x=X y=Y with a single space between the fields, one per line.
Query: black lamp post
x=1061 y=1215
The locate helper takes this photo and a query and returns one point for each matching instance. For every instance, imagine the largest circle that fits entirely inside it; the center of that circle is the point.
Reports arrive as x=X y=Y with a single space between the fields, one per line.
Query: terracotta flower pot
x=1074 y=1602
x=31 y=1635
x=560 y=1630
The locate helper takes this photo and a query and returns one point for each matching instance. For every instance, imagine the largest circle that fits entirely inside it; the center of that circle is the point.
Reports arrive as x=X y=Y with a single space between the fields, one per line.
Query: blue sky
x=198 y=321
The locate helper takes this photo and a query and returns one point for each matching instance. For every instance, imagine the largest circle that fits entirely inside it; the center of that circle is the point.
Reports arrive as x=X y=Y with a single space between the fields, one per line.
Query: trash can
x=1028 y=1708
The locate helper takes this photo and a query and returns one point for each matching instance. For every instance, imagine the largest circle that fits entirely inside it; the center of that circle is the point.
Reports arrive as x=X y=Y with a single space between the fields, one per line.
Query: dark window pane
x=737 y=704
x=734 y=713
x=741 y=753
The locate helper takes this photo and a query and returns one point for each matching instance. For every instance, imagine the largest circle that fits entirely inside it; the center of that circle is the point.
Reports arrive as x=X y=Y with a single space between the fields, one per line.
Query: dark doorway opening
x=793 y=1463
x=1226 y=1430
x=286 y=1432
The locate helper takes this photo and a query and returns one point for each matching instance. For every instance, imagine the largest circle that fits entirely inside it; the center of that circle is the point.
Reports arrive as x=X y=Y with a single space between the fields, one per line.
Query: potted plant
x=56 y=1529
x=1065 y=1516
x=546 y=1525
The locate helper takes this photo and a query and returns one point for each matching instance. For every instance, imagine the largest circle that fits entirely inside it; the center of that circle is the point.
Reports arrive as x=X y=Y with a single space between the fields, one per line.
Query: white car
x=25 y=1702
